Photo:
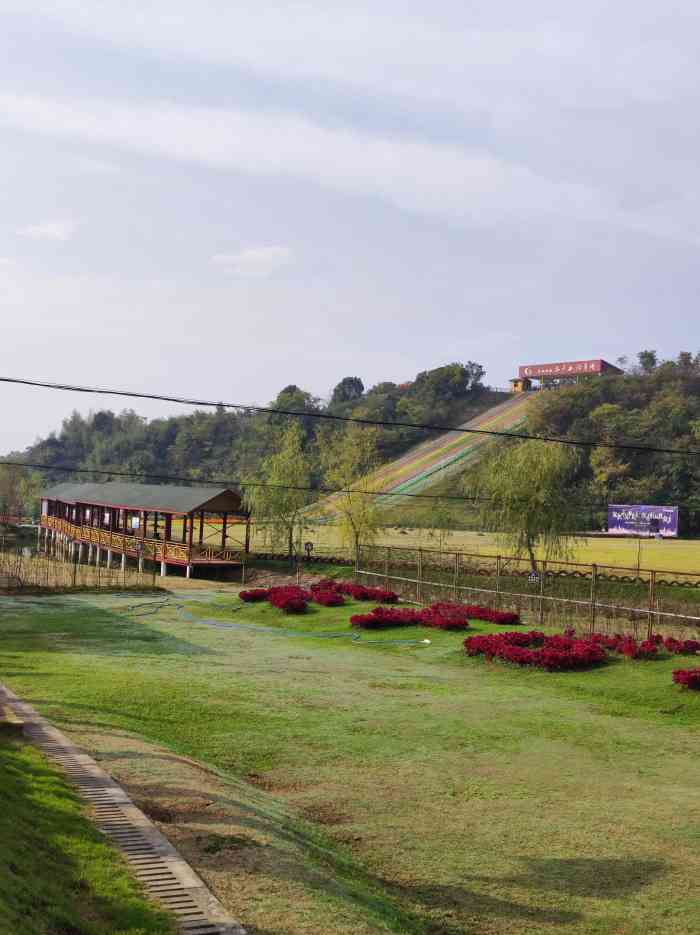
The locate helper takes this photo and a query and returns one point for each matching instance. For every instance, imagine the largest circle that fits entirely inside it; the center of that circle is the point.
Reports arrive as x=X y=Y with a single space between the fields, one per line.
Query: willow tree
x=526 y=497
x=278 y=507
x=349 y=459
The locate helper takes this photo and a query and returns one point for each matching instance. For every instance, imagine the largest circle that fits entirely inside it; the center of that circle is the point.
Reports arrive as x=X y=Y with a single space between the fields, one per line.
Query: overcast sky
x=222 y=198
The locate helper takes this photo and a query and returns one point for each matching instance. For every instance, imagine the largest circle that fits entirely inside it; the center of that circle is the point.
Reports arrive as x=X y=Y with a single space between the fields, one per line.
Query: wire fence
x=602 y=596
x=22 y=571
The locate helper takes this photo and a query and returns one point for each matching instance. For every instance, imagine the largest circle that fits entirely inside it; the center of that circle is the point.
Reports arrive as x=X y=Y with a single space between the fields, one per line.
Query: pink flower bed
x=689 y=678
x=553 y=653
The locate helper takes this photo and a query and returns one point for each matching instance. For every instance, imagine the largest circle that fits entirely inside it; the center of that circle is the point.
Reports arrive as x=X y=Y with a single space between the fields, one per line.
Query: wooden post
x=386 y=568
x=155 y=524
x=247 y=536
x=184 y=529
x=652 y=598
x=201 y=527
x=498 y=581
x=144 y=520
x=168 y=527
x=419 y=580
x=223 y=531
x=543 y=571
x=190 y=527
x=594 y=594
x=455 y=576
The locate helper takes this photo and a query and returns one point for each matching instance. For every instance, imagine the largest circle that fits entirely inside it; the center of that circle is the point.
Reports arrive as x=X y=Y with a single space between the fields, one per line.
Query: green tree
x=647 y=360
x=348 y=460
x=527 y=497
x=279 y=507
x=349 y=388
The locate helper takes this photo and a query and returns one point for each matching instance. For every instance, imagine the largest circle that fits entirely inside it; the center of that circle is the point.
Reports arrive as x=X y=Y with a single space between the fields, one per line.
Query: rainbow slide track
x=439 y=457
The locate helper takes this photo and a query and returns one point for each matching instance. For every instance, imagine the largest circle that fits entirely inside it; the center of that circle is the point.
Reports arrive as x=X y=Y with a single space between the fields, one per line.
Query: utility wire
x=553 y=439
x=242 y=484
x=227 y=482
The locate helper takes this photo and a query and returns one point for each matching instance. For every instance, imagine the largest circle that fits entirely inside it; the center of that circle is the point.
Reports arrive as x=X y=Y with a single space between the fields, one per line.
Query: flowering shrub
x=502 y=617
x=445 y=616
x=257 y=594
x=289 y=598
x=382 y=617
x=361 y=592
x=328 y=598
x=681 y=647
x=690 y=678
x=553 y=653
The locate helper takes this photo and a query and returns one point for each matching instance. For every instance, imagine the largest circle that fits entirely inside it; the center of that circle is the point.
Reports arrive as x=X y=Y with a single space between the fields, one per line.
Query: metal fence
x=602 y=596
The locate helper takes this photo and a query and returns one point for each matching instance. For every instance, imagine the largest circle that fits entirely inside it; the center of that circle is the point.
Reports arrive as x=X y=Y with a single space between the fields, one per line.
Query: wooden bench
x=10 y=723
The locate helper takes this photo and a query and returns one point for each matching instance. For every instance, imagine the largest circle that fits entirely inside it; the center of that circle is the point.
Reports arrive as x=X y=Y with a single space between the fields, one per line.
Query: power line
x=242 y=484
x=236 y=483
x=379 y=423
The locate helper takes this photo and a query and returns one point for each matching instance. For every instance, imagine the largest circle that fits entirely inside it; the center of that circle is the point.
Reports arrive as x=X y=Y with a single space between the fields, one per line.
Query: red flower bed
x=257 y=594
x=681 y=647
x=382 y=617
x=501 y=617
x=361 y=592
x=553 y=653
x=289 y=598
x=690 y=678
x=328 y=598
x=445 y=616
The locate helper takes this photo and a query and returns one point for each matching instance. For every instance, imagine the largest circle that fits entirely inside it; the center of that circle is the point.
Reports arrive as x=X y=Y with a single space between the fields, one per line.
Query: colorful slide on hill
x=438 y=458
x=446 y=454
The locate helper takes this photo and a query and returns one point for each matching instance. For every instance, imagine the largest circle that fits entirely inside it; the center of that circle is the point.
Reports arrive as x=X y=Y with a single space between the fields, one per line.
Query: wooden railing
x=159 y=550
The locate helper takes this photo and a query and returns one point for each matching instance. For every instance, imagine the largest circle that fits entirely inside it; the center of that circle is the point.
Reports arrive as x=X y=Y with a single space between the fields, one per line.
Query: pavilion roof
x=163 y=498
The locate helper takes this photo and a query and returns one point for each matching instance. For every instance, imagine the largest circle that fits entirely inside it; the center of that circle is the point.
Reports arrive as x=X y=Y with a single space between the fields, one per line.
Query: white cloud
x=254 y=262
x=429 y=178
x=58 y=230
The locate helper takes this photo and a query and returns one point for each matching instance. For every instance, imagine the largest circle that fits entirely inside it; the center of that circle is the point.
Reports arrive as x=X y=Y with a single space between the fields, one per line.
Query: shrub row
x=627 y=646
x=553 y=653
x=501 y=617
x=690 y=678
x=382 y=617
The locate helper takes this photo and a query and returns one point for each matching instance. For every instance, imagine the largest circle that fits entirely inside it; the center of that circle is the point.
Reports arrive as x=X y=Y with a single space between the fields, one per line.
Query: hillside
x=229 y=444
x=655 y=404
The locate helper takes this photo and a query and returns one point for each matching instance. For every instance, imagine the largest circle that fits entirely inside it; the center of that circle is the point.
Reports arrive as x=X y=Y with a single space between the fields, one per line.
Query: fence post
x=419 y=578
x=652 y=598
x=594 y=594
x=498 y=581
x=543 y=572
x=386 y=568
x=455 y=581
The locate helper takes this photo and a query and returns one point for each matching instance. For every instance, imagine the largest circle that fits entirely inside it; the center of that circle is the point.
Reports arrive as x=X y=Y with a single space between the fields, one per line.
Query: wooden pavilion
x=190 y=527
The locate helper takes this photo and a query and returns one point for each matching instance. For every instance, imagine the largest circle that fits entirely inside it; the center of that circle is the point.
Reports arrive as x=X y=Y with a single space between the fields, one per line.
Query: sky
x=219 y=199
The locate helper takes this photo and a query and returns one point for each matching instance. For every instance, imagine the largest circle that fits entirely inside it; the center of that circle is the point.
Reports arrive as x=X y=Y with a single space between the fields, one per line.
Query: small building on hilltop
x=190 y=527
x=548 y=376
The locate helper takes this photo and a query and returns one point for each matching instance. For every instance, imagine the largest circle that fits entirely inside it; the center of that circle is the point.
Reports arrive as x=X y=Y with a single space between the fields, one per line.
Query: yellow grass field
x=668 y=555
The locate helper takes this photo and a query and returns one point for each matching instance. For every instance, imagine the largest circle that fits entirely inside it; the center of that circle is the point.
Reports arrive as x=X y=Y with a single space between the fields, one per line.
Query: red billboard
x=569 y=368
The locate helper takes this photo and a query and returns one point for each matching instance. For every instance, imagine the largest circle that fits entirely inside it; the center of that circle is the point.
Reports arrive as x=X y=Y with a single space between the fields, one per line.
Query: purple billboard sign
x=626 y=520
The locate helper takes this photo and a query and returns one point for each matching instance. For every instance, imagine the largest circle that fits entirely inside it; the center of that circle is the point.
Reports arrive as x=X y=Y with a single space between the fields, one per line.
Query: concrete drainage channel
x=155 y=862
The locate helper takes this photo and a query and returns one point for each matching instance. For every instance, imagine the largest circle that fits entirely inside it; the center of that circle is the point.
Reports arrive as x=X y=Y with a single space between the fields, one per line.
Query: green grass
x=468 y=797
x=57 y=876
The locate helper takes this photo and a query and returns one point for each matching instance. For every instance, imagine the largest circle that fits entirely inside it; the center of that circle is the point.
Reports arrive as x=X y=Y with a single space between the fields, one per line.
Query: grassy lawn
x=379 y=787
x=57 y=876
